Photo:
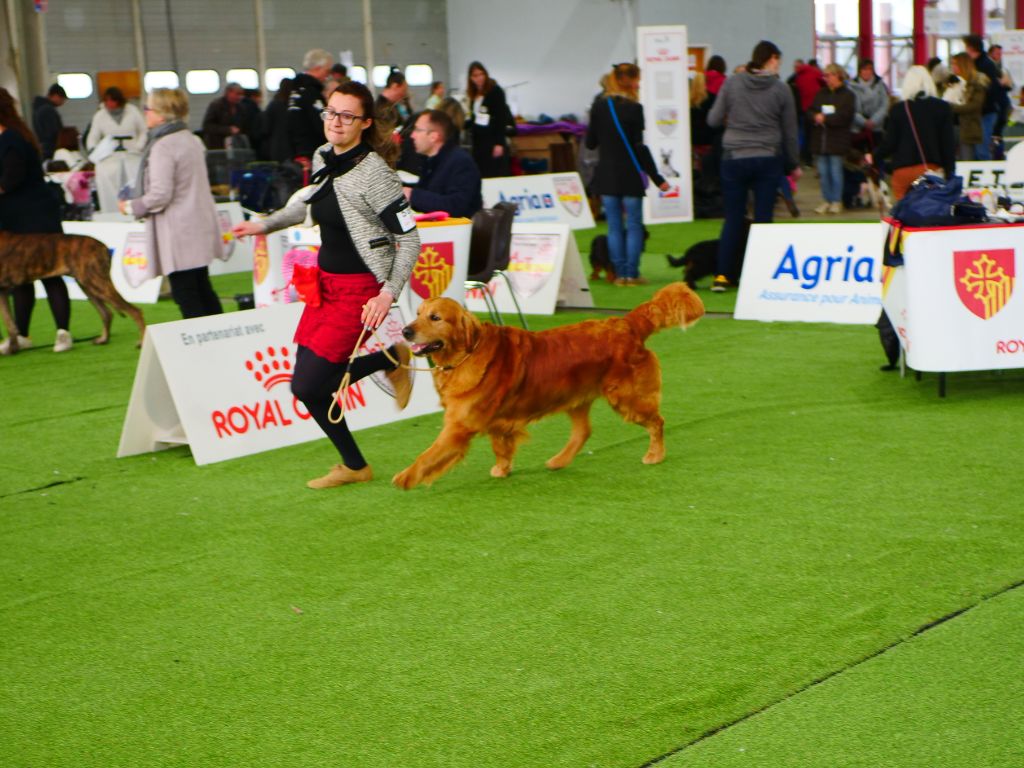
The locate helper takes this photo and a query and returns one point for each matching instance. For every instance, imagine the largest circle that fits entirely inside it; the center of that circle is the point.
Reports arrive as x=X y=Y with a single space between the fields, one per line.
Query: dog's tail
x=674 y=305
x=674 y=261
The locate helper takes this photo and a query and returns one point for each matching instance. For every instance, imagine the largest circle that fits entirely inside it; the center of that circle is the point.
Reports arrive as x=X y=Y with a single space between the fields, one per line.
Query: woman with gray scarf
x=114 y=141
x=172 y=194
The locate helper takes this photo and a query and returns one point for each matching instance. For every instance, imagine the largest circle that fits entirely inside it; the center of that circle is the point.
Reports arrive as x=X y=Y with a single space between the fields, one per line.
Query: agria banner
x=815 y=273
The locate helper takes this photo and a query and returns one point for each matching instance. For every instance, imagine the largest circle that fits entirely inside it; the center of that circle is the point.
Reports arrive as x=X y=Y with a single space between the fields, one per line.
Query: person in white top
x=114 y=141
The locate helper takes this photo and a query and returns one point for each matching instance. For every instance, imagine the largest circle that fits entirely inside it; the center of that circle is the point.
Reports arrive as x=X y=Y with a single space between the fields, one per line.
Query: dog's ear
x=468 y=329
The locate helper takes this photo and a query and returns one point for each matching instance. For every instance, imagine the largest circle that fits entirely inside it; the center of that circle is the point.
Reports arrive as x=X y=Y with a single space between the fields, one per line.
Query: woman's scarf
x=154 y=135
x=335 y=165
x=116 y=114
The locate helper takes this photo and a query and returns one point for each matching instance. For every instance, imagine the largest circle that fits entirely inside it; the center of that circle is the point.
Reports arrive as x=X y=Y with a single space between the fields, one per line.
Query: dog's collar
x=464 y=359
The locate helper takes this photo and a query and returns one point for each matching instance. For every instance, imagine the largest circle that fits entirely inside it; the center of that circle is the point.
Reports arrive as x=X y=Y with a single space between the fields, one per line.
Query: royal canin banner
x=954 y=302
x=222 y=385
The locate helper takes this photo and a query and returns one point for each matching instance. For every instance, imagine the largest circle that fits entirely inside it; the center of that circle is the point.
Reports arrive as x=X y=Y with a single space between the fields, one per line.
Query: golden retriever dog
x=495 y=380
x=25 y=258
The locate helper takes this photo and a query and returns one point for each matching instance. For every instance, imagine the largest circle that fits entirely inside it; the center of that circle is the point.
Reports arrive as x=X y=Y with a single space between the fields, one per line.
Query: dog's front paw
x=405 y=479
x=500 y=471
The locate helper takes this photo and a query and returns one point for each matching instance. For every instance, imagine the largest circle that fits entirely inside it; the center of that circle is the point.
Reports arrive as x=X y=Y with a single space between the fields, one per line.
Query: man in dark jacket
x=450 y=180
x=306 y=102
x=993 y=97
x=46 y=122
x=224 y=117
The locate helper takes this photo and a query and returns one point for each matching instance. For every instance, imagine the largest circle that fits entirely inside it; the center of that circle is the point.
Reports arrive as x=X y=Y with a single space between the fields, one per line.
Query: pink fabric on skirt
x=332 y=329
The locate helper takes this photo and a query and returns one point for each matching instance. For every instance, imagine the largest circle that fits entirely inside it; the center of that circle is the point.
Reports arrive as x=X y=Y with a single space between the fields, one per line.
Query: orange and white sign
x=221 y=385
x=545 y=270
x=953 y=301
x=542 y=198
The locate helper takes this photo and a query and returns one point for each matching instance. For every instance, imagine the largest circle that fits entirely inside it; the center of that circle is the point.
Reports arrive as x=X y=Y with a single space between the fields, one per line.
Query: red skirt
x=332 y=329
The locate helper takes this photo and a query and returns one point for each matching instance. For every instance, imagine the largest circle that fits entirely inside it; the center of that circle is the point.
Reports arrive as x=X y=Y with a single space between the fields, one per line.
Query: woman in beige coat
x=182 y=232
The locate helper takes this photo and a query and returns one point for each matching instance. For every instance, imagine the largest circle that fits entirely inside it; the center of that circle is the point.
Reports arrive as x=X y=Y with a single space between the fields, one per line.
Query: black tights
x=193 y=293
x=56 y=294
x=315 y=381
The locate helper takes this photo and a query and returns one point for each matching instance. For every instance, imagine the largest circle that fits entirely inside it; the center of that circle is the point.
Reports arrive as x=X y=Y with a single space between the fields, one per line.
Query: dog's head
x=442 y=329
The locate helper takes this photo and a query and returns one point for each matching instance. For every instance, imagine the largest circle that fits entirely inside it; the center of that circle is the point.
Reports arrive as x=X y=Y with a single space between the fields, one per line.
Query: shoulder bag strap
x=622 y=133
x=913 y=128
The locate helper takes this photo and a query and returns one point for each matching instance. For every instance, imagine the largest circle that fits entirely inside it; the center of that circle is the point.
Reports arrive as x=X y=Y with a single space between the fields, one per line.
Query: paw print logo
x=270 y=366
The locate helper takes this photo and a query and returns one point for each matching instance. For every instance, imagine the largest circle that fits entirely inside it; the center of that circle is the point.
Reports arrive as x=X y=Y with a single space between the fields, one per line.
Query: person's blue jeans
x=983 y=151
x=830 y=171
x=740 y=176
x=625 y=244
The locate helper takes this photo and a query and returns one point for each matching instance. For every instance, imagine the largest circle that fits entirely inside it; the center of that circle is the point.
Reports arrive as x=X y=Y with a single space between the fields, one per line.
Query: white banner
x=954 y=303
x=665 y=96
x=221 y=384
x=440 y=269
x=542 y=198
x=1012 y=41
x=815 y=273
x=985 y=174
x=545 y=270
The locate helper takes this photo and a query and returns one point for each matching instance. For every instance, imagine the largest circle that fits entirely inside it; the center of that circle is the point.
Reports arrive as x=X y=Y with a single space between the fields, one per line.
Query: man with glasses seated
x=450 y=180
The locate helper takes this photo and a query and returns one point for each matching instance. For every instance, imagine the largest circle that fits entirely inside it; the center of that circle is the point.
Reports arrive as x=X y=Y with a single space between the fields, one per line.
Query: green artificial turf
x=811 y=511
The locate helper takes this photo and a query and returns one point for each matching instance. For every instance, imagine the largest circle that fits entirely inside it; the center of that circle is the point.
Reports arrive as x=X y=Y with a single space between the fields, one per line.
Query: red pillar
x=978 y=17
x=920 y=39
x=1018 y=18
x=865 y=35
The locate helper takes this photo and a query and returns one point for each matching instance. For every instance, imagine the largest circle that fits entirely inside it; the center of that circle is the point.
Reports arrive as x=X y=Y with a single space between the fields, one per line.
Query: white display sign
x=237 y=252
x=542 y=198
x=984 y=174
x=815 y=273
x=954 y=303
x=126 y=242
x=545 y=270
x=440 y=269
x=1012 y=41
x=665 y=94
x=221 y=384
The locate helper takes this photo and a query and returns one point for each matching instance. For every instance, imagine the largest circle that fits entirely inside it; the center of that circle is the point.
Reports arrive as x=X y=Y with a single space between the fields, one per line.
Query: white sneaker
x=64 y=342
x=823 y=208
x=24 y=342
x=835 y=208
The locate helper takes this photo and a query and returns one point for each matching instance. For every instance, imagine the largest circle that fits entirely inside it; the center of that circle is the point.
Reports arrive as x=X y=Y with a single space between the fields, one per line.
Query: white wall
x=561 y=47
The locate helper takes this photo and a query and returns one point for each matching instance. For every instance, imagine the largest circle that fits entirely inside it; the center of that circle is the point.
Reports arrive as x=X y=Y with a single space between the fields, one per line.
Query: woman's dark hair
x=395 y=77
x=471 y=90
x=715 y=64
x=115 y=94
x=378 y=136
x=11 y=120
x=763 y=51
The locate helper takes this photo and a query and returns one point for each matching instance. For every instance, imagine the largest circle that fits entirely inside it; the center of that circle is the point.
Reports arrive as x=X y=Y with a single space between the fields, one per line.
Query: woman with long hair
x=759 y=147
x=369 y=246
x=116 y=139
x=969 y=111
x=27 y=206
x=617 y=130
x=490 y=122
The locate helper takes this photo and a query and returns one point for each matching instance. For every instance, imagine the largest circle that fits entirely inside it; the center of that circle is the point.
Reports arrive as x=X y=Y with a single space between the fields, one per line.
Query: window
x=247 y=78
x=272 y=77
x=160 y=79
x=380 y=75
x=77 y=85
x=358 y=74
x=202 y=81
x=419 y=74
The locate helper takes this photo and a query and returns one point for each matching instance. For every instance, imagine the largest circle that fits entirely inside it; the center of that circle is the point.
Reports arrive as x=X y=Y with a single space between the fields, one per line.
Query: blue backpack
x=930 y=202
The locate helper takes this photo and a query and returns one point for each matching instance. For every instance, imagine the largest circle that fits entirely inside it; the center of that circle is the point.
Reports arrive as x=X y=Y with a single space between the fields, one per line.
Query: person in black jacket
x=449 y=180
x=993 y=97
x=490 y=122
x=27 y=206
x=225 y=118
x=46 y=120
x=617 y=179
x=931 y=119
x=305 y=128
x=274 y=144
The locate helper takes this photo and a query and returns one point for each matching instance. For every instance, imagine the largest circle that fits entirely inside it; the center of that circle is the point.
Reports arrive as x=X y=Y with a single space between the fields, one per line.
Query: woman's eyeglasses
x=347 y=118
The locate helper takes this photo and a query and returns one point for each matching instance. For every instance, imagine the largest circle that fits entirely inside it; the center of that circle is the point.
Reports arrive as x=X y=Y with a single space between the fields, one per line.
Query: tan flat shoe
x=341 y=475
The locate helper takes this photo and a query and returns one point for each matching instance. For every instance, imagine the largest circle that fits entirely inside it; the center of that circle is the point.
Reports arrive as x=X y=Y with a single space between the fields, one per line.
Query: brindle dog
x=24 y=258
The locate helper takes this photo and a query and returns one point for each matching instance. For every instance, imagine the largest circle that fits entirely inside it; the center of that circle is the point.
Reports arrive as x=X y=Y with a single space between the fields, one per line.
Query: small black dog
x=700 y=259
x=600 y=260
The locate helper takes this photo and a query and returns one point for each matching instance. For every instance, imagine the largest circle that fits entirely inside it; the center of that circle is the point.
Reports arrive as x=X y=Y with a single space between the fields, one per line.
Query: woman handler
x=369 y=246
